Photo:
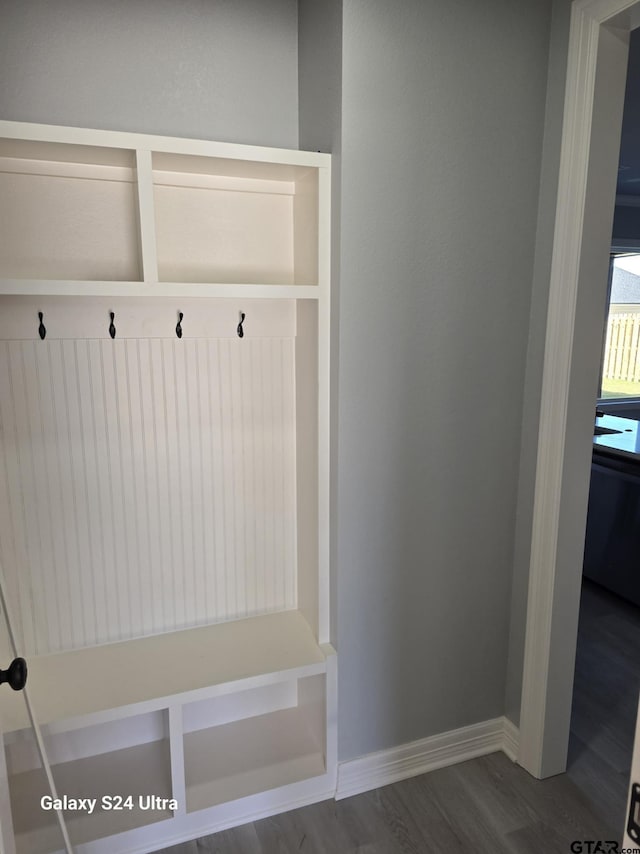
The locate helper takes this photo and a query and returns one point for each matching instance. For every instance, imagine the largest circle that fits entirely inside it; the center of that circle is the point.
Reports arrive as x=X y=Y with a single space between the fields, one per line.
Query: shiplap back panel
x=146 y=485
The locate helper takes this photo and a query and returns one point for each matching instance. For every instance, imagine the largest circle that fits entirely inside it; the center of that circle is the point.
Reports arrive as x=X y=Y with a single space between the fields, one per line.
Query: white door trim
x=596 y=59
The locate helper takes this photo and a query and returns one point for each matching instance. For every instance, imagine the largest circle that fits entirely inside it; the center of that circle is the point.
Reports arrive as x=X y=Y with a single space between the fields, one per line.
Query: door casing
x=594 y=99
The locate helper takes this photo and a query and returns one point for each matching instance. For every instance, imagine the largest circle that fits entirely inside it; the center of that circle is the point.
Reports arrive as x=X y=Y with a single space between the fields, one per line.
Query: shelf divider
x=176 y=743
x=147 y=223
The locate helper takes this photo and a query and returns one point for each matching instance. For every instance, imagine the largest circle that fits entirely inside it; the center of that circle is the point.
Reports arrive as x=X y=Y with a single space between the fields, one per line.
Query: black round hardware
x=41 y=329
x=179 y=325
x=112 y=328
x=15 y=675
x=240 y=330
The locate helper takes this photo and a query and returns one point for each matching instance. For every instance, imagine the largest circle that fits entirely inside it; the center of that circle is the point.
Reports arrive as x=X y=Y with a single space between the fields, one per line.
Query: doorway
x=596 y=73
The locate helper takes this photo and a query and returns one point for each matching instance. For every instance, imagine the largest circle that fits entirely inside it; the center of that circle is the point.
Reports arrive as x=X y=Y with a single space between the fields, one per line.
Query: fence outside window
x=621 y=361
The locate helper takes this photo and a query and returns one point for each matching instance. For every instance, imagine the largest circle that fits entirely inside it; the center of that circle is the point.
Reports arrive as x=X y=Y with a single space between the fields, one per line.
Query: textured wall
x=442 y=128
x=216 y=69
x=320 y=126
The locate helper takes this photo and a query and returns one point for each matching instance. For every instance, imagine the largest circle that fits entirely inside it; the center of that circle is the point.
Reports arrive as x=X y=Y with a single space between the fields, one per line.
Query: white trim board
x=510 y=739
x=596 y=71
x=426 y=754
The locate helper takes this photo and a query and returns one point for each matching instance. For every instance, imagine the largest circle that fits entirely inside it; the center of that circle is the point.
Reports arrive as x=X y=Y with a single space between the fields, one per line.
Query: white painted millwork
x=164 y=499
x=593 y=108
x=159 y=475
x=426 y=754
x=146 y=210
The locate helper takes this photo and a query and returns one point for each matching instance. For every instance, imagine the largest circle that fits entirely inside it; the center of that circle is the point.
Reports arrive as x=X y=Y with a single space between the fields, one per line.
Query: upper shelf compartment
x=68 y=212
x=221 y=220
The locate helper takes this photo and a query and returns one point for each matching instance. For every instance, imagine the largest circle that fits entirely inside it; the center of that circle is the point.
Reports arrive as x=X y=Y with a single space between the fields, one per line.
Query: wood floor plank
x=182 y=848
x=536 y=838
x=466 y=819
x=604 y=785
x=243 y=840
x=281 y=835
x=393 y=815
x=438 y=832
x=487 y=784
x=321 y=829
x=558 y=802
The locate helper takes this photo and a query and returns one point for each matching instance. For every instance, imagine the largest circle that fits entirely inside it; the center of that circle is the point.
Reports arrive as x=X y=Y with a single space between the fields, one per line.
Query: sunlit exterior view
x=621 y=356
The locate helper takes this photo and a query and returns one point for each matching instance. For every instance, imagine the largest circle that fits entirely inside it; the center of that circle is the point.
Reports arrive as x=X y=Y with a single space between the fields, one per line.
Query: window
x=620 y=377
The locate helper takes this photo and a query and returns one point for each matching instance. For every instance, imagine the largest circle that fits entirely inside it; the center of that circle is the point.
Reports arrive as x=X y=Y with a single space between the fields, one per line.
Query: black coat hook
x=112 y=329
x=41 y=329
x=240 y=329
x=179 y=325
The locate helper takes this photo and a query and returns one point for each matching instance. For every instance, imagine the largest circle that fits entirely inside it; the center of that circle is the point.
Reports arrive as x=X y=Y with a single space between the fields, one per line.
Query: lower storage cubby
x=110 y=785
x=253 y=741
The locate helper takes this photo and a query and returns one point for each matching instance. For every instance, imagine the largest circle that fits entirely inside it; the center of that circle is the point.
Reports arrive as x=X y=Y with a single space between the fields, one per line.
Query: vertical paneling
x=145 y=485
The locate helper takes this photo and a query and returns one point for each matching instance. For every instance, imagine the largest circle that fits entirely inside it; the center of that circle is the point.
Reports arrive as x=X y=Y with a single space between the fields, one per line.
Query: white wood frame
x=143 y=147
x=596 y=72
x=315 y=657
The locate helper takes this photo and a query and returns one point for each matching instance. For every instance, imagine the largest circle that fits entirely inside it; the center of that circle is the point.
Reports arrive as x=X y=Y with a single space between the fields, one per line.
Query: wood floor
x=490 y=805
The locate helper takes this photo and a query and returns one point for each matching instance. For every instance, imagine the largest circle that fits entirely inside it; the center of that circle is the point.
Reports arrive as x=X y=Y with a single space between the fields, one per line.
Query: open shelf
x=136 y=771
x=68 y=212
x=234 y=760
x=234 y=221
x=157 y=668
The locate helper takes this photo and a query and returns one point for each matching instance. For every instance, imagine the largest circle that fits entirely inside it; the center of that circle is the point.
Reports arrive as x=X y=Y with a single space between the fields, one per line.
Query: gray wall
x=223 y=70
x=320 y=128
x=437 y=131
x=442 y=127
x=320 y=76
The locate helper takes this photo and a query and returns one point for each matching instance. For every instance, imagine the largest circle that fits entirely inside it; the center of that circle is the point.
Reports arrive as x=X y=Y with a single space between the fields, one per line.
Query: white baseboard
x=427 y=754
x=511 y=740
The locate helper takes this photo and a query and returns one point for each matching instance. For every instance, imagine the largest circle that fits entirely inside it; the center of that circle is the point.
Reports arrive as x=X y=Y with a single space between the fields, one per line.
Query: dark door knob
x=16 y=674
